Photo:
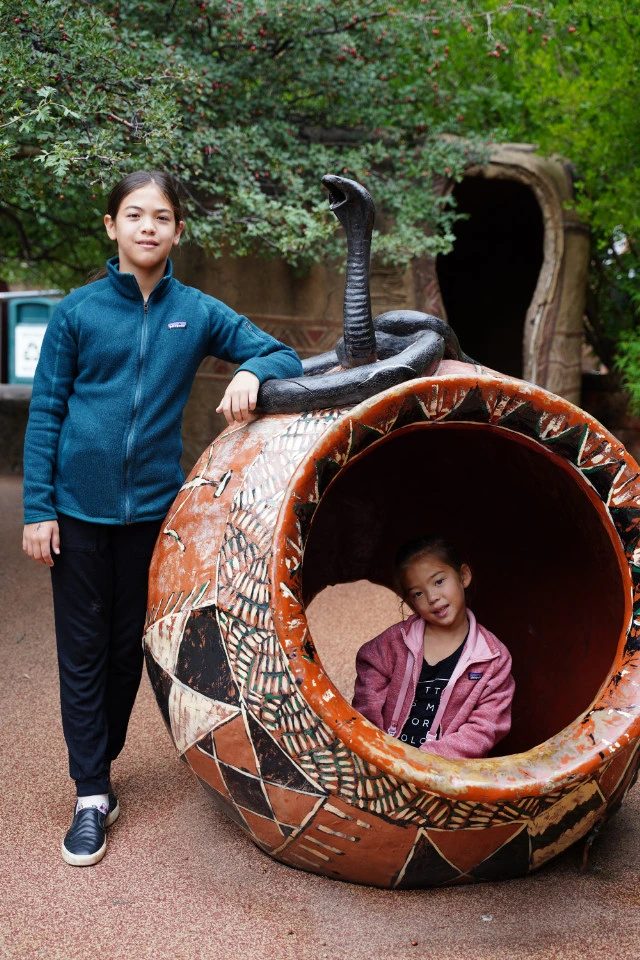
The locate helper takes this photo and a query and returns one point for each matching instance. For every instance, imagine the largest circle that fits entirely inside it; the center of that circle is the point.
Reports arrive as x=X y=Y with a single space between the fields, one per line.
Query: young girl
x=438 y=680
x=102 y=467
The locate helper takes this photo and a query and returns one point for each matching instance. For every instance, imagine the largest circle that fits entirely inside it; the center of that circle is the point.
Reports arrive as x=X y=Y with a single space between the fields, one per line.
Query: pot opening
x=546 y=574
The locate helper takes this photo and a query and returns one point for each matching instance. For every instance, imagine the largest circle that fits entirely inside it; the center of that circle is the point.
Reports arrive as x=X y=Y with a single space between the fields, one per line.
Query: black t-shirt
x=431 y=683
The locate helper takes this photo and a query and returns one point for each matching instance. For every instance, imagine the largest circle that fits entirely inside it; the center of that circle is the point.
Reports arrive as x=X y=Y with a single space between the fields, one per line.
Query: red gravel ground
x=181 y=882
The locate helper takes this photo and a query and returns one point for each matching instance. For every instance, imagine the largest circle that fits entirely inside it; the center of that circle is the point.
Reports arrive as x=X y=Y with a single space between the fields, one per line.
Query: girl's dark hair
x=140 y=178
x=435 y=546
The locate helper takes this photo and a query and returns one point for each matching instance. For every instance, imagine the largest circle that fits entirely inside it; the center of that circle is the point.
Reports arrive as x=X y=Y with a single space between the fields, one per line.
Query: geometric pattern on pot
x=252 y=713
x=583 y=447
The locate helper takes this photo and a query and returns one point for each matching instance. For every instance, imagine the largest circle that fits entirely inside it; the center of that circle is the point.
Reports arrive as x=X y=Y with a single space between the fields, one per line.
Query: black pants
x=99 y=597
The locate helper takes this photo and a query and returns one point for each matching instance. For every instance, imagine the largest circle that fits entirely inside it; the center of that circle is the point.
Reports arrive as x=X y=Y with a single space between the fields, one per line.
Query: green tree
x=578 y=96
x=249 y=103
x=567 y=77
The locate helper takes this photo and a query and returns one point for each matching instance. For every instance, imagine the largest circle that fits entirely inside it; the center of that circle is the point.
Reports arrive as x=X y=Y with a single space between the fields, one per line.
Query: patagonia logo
x=475 y=676
x=177 y=325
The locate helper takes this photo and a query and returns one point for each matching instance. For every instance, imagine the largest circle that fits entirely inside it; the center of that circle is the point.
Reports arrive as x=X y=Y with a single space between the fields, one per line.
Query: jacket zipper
x=136 y=401
x=404 y=688
x=395 y=726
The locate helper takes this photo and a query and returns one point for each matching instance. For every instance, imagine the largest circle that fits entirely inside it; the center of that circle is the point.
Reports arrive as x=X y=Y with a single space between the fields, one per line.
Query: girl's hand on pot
x=40 y=540
x=240 y=398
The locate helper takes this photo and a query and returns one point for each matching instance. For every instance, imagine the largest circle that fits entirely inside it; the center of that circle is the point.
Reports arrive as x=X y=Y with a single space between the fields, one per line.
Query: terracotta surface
x=182 y=882
x=251 y=709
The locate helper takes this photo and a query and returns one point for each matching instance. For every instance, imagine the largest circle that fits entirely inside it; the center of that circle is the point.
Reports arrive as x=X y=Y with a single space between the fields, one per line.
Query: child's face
x=435 y=591
x=145 y=229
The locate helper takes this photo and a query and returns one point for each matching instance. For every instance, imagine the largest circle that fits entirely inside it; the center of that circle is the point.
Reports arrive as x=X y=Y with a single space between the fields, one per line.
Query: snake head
x=351 y=204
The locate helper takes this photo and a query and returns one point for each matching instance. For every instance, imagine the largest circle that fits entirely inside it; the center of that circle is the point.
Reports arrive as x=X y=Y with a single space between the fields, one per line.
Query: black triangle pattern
x=627 y=521
x=202 y=663
x=411 y=411
x=525 y=419
x=246 y=790
x=362 y=437
x=603 y=476
x=570 y=443
x=426 y=867
x=224 y=805
x=274 y=764
x=511 y=860
x=473 y=407
x=304 y=512
x=161 y=684
x=207 y=744
x=326 y=470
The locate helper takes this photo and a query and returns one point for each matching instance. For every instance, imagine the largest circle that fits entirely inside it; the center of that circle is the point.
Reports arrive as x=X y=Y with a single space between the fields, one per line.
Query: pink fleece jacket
x=475 y=707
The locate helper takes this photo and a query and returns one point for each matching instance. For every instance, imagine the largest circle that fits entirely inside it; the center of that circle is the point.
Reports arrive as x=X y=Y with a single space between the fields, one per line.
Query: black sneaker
x=114 y=808
x=86 y=840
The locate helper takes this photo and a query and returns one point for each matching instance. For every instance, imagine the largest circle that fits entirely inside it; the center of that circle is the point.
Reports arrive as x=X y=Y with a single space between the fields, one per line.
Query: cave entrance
x=488 y=280
x=546 y=571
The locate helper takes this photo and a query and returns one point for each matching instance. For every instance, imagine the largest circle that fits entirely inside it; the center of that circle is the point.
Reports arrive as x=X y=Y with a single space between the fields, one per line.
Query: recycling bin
x=27 y=319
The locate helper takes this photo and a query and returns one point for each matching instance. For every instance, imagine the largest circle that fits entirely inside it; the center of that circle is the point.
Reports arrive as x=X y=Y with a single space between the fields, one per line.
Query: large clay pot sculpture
x=548 y=503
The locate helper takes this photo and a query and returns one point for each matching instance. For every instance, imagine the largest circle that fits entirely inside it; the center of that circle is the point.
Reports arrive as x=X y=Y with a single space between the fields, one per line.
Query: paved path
x=179 y=882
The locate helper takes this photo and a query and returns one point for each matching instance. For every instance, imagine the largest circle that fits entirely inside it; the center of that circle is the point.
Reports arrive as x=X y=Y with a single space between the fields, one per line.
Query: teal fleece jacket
x=103 y=441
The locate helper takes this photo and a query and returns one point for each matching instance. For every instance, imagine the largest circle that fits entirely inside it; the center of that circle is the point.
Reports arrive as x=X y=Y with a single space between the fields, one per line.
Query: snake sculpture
x=374 y=354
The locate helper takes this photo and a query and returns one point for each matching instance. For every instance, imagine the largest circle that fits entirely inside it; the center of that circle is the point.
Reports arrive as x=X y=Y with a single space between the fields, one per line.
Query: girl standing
x=438 y=680
x=102 y=467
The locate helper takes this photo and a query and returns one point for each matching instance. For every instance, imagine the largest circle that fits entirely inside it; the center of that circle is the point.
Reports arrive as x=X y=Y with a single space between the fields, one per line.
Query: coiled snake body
x=374 y=354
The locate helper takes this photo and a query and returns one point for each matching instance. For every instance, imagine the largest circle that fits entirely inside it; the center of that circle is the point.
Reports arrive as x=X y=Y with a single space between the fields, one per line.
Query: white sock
x=99 y=800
